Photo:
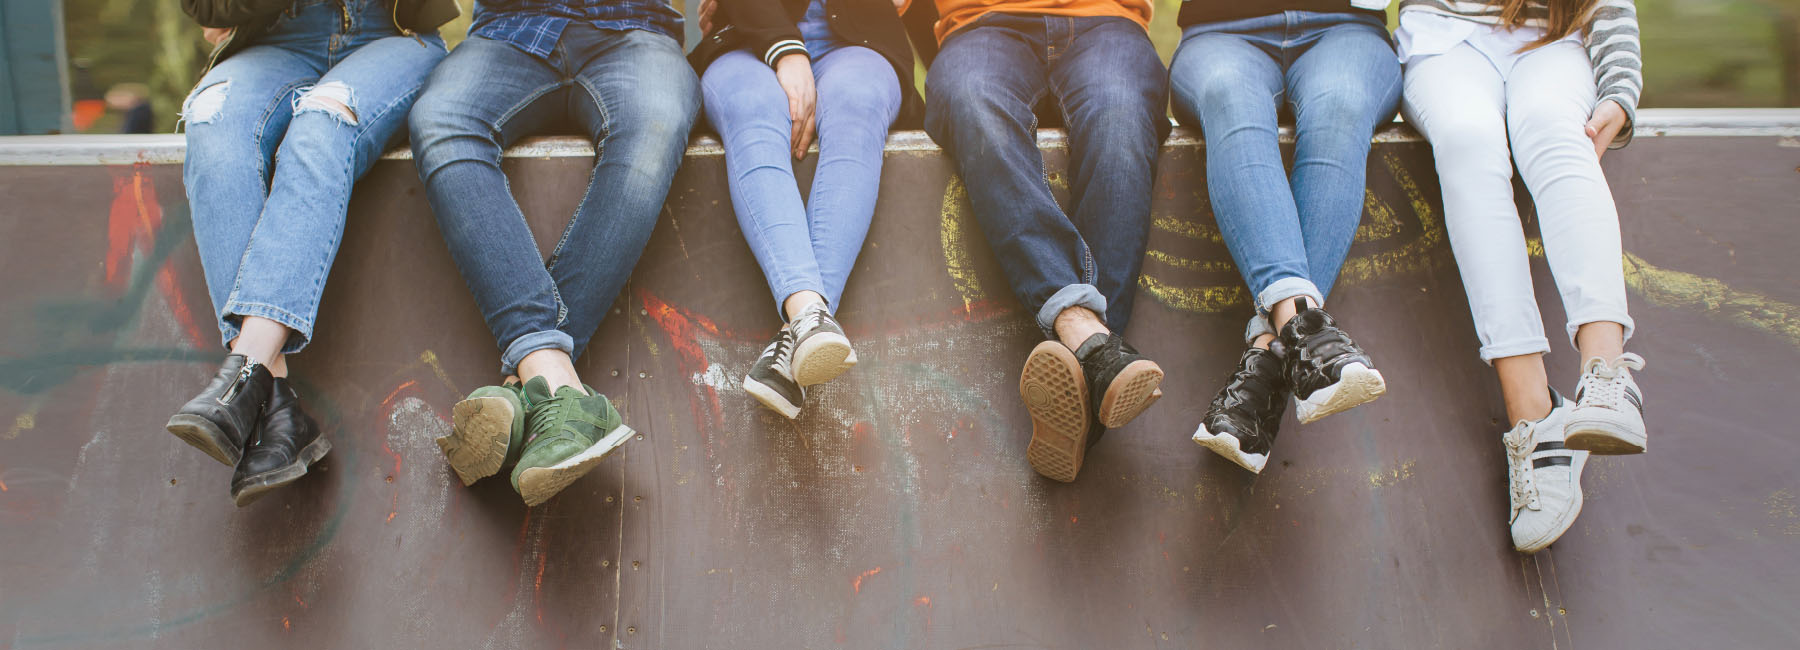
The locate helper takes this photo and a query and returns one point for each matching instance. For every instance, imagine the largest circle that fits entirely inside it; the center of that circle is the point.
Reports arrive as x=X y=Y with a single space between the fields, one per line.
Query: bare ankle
x=1076 y=324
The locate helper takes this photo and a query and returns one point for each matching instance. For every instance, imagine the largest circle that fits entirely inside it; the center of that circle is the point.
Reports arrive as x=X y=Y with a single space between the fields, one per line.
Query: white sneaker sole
x=538 y=484
x=1357 y=385
x=1055 y=393
x=821 y=358
x=480 y=431
x=1563 y=522
x=1227 y=445
x=771 y=398
x=1603 y=436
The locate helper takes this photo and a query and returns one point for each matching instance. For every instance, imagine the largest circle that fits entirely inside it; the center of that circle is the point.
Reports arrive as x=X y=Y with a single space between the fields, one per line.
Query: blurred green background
x=1697 y=53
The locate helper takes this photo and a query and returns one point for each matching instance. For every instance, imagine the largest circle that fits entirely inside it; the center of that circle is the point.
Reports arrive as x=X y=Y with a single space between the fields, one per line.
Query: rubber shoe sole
x=1055 y=393
x=251 y=488
x=538 y=484
x=821 y=358
x=1225 y=444
x=1357 y=385
x=771 y=398
x=480 y=431
x=1130 y=393
x=1603 y=437
x=206 y=437
x=1562 y=522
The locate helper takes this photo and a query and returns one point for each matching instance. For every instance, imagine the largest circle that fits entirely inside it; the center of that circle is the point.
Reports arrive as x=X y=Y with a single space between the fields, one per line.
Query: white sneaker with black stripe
x=1608 y=417
x=771 y=379
x=821 y=351
x=1544 y=479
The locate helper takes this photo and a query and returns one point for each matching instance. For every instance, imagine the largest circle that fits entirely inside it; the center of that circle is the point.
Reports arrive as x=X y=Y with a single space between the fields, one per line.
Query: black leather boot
x=287 y=442
x=222 y=418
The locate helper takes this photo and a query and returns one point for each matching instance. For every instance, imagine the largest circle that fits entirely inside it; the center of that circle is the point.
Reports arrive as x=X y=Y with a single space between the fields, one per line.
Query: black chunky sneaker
x=1326 y=370
x=1062 y=422
x=222 y=418
x=1121 y=382
x=1242 y=421
x=287 y=442
x=821 y=351
x=771 y=379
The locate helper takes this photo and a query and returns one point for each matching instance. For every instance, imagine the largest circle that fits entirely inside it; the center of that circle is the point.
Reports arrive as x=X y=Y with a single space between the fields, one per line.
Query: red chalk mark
x=133 y=222
x=390 y=398
x=2 y=486
x=922 y=600
x=285 y=625
x=1073 y=519
x=856 y=585
x=394 y=506
x=302 y=602
x=390 y=451
x=537 y=584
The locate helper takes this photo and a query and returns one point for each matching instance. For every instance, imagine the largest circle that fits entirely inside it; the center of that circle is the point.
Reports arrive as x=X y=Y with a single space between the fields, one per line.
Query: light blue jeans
x=807 y=246
x=1289 y=234
x=268 y=231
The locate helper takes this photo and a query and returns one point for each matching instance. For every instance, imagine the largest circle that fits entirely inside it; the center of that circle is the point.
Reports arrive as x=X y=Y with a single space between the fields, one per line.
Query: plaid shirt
x=535 y=25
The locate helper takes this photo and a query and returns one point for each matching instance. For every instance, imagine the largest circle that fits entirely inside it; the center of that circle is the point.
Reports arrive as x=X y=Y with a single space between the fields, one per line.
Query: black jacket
x=252 y=18
x=769 y=29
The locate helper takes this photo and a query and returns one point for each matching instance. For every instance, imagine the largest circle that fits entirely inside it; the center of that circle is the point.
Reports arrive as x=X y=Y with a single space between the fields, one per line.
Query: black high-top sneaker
x=1326 y=370
x=1242 y=421
x=222 y=418
x=771 y=379
x=287 y=442
x=1121 y=382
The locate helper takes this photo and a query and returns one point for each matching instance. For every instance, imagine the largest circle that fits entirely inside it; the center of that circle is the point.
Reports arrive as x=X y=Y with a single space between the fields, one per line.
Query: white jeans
x=1471 y=111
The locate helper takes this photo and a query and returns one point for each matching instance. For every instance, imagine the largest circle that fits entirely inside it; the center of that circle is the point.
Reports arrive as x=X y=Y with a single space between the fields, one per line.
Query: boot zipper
x=243 y=376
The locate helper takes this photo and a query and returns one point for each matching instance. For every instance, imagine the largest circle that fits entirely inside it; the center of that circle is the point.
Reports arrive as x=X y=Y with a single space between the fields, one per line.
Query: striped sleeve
x=783 y=48
x=1612 y=44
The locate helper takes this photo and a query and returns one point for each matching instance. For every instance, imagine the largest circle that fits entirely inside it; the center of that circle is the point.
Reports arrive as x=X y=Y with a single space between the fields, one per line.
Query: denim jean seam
x=599 y=158
x=1089 y=271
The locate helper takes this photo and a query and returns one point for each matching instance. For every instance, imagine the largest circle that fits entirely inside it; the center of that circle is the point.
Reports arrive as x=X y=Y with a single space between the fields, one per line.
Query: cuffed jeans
x=1480 y=120
x=1288 y=234
x=810 y=246
x=635 y=95
x=1103 y=76
x=267 y=231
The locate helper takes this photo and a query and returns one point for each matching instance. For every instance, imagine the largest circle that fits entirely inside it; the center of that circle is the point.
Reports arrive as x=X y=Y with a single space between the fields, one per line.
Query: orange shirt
x=956 y=14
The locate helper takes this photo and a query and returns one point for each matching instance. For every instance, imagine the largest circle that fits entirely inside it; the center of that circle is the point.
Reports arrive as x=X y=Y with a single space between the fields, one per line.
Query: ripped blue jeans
x=276 y=136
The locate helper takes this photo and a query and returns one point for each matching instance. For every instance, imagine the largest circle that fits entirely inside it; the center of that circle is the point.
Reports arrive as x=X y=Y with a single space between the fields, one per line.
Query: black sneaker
x=1326 y=370
x=1062 y=416
x=222 y=418
x=1121 y=382
x=287 y=442
x=1242 y=421
x=771 y=380
x=821 y=351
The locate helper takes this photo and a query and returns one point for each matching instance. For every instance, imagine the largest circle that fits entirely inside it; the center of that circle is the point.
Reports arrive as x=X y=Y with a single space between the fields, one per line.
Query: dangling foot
x=222 y=418
x=569 y=434
x=1326 y=370
x=1244 y=417
x=1608 y=418
x=287 y=442
x=487 y=431
x=1544 y=479
x=821 y=351
x=1121 y=382
x=771 y=379
x=1062 y=426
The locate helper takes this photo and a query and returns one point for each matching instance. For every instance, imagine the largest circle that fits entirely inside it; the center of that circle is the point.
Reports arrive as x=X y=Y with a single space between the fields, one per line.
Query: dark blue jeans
x=635 y=95
x=1103 y=76
x=1289 y=234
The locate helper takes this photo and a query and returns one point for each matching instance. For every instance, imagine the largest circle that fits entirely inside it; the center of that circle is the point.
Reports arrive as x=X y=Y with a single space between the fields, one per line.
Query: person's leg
x=1114 y=94
x=1342 y=88
x=1549 y=96
x=340 y=127
x=983 y=87
x=1230 y=85
x=859 y=97
x=747 y=106
x=484 y=96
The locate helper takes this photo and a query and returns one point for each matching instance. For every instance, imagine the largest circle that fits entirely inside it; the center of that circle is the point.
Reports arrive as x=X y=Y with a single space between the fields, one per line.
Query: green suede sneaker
x=570 y=433
x=487 y=432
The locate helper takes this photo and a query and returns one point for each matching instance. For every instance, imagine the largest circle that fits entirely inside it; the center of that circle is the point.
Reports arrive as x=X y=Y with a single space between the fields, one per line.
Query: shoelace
x=779 y=347
x=811 y=319
x=1604 y=386
x=1519 y=444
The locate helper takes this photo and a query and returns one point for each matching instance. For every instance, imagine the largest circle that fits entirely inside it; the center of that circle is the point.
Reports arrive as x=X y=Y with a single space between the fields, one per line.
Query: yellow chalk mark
x=1188 y=229
x=1783 y=511
x=430 y=359
x=1409 y=257
x=1671 y=288
x=1379 y=220
x=25 y=422
x=956 y=253
x=1197 y=299
x=1192 y=264
x=1380 y=479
